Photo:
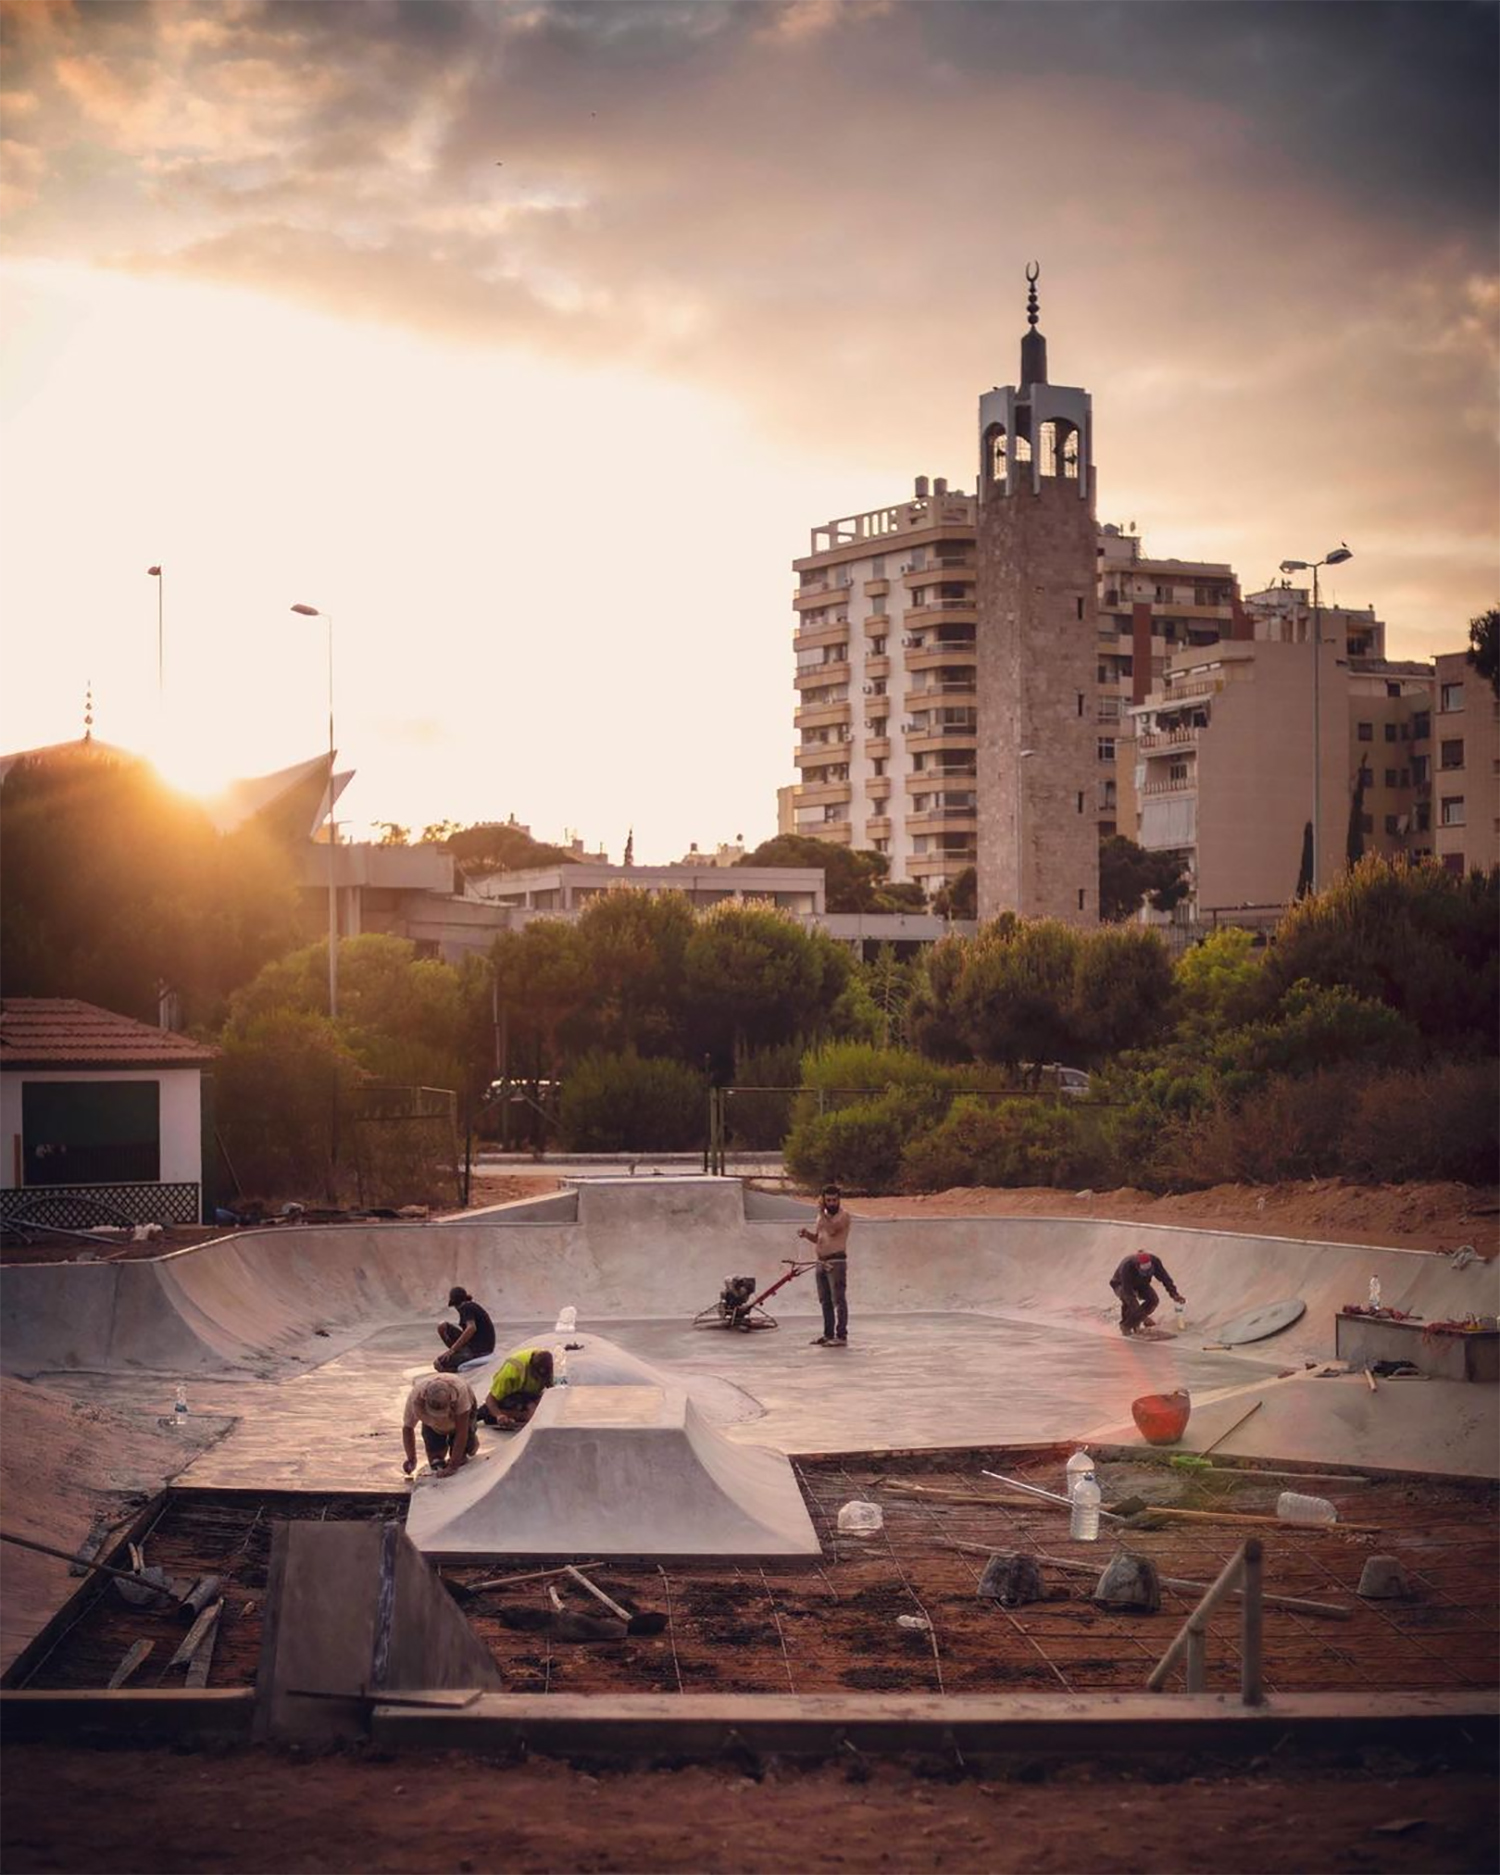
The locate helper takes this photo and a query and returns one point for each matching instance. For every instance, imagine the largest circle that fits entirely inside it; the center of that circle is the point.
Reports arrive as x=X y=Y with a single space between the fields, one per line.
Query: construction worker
x=830 y=1238
x=517 y=1388
x=471 y=1340
x=1132 y=1282
x=444 y=1408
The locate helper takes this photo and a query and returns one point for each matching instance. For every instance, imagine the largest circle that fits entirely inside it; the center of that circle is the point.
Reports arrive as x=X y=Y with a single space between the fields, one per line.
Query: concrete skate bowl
x=634 y=1250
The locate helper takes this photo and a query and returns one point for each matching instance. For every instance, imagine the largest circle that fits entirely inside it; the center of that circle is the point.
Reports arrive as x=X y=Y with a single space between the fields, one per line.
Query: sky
x=529 y=341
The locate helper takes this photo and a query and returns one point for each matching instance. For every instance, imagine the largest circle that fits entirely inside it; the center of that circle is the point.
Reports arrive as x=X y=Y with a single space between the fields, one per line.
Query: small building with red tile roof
x=102 y=1118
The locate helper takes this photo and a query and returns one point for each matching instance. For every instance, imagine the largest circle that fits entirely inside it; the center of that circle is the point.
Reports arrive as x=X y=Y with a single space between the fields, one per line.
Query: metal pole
x=1252 y=1687
x=1197 y=1674
x=1317 y=835
x=333 y=840
x=161 y=580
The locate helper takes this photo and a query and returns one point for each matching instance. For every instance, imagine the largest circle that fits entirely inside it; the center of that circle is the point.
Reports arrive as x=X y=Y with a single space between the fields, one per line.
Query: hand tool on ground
x=143 y=1583
x=1054 y=1497
x=1197 y=1461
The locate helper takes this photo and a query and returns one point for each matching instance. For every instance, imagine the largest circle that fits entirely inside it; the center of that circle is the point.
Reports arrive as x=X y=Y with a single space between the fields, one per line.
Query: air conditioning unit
x=869 y=690
x=911 y=729
x=911 y=644
x=908 y=566
x=847 y=580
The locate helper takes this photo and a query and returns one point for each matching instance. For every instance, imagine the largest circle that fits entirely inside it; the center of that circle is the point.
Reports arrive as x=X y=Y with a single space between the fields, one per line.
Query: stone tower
x=1036 y=645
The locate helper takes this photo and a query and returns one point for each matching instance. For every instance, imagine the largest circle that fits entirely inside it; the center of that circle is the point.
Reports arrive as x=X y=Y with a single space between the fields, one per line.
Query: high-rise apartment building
x=886 y=704
x=1464 y=795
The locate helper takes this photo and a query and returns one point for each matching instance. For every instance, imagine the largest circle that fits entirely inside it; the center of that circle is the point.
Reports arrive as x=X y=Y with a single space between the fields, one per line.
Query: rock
x=1011 y=1579
x=1383 y=1579
x=1130 y=1582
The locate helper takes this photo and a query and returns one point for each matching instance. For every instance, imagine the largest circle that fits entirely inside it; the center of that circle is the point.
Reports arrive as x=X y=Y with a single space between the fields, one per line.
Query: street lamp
x=311 y=611
x=1022 y=755
x=1337 y=557
x=155 y=572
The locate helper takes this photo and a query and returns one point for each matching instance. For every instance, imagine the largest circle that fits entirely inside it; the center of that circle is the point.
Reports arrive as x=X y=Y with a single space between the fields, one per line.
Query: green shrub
x=1020 y=1142
x=857 y=1146
x=759 y=1121
x=622 y=1103
x=1437 y=1125
x=283 y=1087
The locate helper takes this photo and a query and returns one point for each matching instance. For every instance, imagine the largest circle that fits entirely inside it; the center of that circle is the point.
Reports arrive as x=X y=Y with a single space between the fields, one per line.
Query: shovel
x=139 y=1586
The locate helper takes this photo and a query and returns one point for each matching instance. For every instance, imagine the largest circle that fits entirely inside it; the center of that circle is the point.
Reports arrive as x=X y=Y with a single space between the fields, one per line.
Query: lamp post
x=155 y=572
x=1022 y=755
x=1337 y=557
x=311 y=611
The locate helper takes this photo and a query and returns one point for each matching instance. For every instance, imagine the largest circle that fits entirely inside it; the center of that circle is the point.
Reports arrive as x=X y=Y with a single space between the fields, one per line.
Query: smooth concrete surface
x=614 y=1470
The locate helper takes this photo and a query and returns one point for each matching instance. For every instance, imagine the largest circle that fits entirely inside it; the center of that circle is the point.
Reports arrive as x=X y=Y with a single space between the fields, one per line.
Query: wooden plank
x=203 y=1654
x=598 y=1594
x=134 y=1655
x=195 y=1634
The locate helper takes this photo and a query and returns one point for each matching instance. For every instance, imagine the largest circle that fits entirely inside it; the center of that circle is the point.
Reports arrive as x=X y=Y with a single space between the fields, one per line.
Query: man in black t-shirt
x=472 y=1339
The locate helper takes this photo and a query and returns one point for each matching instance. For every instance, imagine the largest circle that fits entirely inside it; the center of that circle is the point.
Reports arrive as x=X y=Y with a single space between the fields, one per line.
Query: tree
x=392 y=833
x=633 y=944
x=1220 y=983
x=754 y=977
x=959 y=898
x=1484 y=646
x=1122 y=991
x=1305 y=867
x=113 y=888
x=1354 y=839
x=491 y=846
x=541 y=978
x=1128 y=874
x=852 y=880
x=1422 y=940
x=1013 y=1002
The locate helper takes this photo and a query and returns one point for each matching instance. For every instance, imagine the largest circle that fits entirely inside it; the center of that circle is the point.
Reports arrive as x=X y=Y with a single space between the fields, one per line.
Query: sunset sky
x=529 y=340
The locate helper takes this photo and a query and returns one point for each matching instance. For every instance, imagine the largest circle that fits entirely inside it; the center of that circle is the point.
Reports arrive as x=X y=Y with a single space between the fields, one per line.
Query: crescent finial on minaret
x=1033 y=274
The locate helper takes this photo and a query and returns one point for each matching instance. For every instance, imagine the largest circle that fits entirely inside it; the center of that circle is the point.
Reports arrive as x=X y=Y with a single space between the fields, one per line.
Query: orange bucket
x=1162 y=1417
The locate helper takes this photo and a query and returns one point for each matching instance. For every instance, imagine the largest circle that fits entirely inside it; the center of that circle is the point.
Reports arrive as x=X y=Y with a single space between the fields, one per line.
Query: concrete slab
x=615 y=1471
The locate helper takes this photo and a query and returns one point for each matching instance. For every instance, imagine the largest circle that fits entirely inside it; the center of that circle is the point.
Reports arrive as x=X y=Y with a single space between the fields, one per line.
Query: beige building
x=886 y=703
x=1465 y=778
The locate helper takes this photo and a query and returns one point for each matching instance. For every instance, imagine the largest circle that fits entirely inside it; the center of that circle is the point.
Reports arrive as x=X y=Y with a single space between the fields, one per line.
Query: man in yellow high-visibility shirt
x=517 y=1388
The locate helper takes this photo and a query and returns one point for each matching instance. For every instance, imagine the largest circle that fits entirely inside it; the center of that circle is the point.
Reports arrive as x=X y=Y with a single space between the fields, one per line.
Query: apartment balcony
x=931 y=740
x=935 y=653
x=876 y=588
x=950 y=771
x=807 y=598
x=924 y=696
x=1170 y=738
x=943 y=611
x=878 y=827
x=878 y=667
x=943 y=865
x=955 y=822
x=811 y=756
x=814 y=793
x=815 y=637
x=821 y=715
x=810 y=676
x=877 y=746
x=964 y=568
x=1185 y=786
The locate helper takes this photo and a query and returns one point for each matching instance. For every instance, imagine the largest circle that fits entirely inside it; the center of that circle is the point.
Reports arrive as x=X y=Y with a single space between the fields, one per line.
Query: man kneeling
x=517 y=1388
x=444 y=1408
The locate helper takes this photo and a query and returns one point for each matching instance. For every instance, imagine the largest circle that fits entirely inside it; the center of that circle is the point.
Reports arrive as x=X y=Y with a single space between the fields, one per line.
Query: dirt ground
x=255 y=1810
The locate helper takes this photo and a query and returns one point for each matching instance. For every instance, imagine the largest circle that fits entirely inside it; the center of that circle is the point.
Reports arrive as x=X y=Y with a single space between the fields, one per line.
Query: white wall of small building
x=180 y=1116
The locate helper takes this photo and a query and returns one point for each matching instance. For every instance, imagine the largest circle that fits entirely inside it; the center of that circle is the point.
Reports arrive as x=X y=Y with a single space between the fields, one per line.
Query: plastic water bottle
x=1080 y=1466
x=860 y=1519
x=179 y=1408
x=567 y=1321
x=1293 y=1507
x=1179 y=1317
x=560 y=1368
x=1374 y=1292
x=1083 y=1521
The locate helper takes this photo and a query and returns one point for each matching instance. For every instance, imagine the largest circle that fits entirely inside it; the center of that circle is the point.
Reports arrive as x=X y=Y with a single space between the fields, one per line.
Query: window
x=90 y=1132
x=880 y=765
x=1390 y=732
x=1453 y=862
x=1451 y=754
x=1102 y=675
x=1392 y=690
x=1406 y=778
x=877 y=726
x=1421 y=725
x=1452 y=810
x=1080 y=800
x=877 y=605
x=1367 y=732
x=877 y=567
x=877 y=647
x=1080 y=898
x=1419 y=769
x=1424 y=817
x=1391 y=825
x=1451 y=697
x=1391 y=775
x=1367 y=823
x=1104 y=748
x=1177 y=771
x=1080 y=703
x=1080 y=608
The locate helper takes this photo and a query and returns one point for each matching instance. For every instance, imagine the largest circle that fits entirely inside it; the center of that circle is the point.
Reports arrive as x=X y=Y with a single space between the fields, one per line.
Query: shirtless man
x=830 y=1238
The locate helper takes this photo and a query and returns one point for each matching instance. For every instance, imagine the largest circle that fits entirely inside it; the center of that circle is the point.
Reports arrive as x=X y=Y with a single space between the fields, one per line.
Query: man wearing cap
x=517 y=1388
x=472 y=1339
x=444 y=1409
x=1132 y=1282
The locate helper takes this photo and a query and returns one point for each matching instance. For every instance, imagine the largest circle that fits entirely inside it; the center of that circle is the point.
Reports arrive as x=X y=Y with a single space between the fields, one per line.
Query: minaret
x=1036 y=643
